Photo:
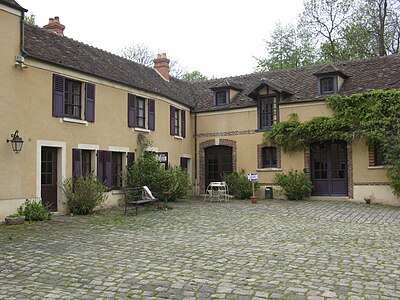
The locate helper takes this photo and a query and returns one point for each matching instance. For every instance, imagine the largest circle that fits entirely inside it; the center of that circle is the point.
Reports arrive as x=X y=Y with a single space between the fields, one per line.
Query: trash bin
x=269 y=192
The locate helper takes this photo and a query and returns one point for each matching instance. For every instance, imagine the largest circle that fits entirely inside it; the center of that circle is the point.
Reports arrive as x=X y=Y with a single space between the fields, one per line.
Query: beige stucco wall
x=26 y=105
x=305 y=111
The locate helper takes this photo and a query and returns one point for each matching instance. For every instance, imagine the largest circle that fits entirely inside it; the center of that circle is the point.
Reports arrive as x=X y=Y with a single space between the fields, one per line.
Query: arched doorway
x=329 y=170
x=218 y=162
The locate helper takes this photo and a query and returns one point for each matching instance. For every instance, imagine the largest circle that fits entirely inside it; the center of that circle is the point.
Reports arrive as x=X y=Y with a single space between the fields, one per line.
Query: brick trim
x=372 y=183
x=259 y=154
x=202 y=157
x=227 y=133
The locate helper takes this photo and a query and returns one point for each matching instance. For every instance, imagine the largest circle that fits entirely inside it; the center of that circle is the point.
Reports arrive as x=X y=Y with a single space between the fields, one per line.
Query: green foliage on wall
x=372 y=116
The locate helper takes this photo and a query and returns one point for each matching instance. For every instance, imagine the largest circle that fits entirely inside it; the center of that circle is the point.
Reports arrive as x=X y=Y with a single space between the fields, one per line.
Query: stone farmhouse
x=79 y=109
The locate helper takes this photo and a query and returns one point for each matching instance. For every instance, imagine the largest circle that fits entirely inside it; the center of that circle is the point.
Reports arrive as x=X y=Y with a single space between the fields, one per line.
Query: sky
x=215 y=37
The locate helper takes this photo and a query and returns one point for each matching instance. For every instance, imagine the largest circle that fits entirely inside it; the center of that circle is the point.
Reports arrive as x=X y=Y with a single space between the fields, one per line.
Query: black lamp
x=16 y=142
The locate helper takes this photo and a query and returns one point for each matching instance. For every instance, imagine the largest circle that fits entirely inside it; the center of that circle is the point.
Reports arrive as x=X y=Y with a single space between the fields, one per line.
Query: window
x=267 y=112
x=72 y=99
x=177 y=122
x=82 y=162
x=376 y=156
x=221 y=98
x=137 y=112
x=327 y=85
x=86 y=162
x=110 y=166
x=67 y=99
x=269 y=158
x=116 y=169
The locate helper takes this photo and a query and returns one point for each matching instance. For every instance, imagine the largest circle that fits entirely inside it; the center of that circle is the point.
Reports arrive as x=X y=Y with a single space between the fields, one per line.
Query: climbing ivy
x=371 y=116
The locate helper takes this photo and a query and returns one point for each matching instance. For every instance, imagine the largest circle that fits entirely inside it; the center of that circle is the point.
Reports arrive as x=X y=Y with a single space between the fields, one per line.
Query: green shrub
x=295 y=184
x=239 y=186
x=34 y=211
x=83 y=194
x=148 y=171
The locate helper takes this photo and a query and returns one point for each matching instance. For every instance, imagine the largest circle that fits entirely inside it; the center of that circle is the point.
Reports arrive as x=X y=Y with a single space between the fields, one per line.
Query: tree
x=142 y=54
x=30 y=19
x=286 y=48
x=326 y=19
x=375 y=28
x=194 y=76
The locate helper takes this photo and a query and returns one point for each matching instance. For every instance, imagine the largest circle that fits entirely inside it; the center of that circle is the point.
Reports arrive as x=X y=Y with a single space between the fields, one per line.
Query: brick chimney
x=161 y=65
x=55 y=26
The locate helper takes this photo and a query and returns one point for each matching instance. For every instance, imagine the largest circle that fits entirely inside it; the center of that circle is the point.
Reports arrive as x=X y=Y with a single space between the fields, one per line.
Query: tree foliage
x=372 y=116
x=333 y=30
x=142 y=54
x=30 y=19
x=194 y=76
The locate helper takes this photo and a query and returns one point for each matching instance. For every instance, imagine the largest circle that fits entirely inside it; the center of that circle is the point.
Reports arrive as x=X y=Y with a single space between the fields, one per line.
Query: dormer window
x=221 y=98
x=327 y=85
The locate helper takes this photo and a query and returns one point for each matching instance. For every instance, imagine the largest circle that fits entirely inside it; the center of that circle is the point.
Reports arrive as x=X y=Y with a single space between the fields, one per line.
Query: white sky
x=215 y=37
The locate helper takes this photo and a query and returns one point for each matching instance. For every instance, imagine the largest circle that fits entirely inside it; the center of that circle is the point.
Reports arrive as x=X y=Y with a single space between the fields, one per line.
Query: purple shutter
x=183 y=123
x=100 y=165
x=90 y=102
x=76 y=162
x=107 y=169
x=259 y=113
x=152 y=115
x=172 y=120
x=131 y=110
x=58 y=95
x=130 y=159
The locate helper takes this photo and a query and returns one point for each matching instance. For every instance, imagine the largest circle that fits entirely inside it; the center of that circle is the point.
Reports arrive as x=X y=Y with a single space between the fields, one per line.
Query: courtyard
x=198 y=250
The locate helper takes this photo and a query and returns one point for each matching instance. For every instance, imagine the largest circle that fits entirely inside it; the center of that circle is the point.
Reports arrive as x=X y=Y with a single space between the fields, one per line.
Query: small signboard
x=252 y=176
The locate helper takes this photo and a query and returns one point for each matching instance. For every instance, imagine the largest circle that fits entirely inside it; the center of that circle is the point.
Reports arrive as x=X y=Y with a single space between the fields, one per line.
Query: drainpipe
x=22 y=35
x=195 y=150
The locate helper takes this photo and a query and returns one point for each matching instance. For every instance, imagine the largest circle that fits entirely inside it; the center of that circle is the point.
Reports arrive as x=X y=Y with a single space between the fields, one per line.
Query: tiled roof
x=45 y=45
x=301 y=83
x=297 y=85
x=13 y=4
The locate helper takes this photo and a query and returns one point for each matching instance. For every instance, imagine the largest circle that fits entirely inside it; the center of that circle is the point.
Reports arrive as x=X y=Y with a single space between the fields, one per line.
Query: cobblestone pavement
x=197 y=250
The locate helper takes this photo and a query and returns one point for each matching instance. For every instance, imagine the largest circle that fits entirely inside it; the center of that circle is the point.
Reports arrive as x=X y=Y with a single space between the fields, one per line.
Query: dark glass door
x=49 y=177
x=329 y=168
x=218 y=163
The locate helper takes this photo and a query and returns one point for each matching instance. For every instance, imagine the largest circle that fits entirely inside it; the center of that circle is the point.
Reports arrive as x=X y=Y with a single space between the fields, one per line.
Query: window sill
x=376 y=167
x=75 y=121
x=178 y=137
x=269 y=170
x=140 y=129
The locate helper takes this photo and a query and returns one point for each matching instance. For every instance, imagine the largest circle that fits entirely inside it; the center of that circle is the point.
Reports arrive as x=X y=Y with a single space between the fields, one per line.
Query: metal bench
x=138 y=196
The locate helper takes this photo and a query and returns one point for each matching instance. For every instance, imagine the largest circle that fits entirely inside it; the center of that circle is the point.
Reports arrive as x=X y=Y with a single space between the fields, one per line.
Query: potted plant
x=15 y=219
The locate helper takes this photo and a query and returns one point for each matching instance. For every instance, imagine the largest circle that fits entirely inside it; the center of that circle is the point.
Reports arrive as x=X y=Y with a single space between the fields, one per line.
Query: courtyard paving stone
x=198 y=250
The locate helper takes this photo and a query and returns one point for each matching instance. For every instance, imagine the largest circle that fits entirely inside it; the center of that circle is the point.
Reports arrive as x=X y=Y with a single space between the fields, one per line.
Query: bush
x=295 y=184
x=34 y=211
x=83 y=194
x=148 y=171
x=239 y=186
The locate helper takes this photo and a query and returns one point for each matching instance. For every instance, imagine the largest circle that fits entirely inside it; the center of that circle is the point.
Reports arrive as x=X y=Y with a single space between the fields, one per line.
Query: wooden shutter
x=183 y=123
x=152 y=114
x=130 y=159
x=172 y=120
x=90 y=90
x=100 y=165
x=58 y=95
x=76 y=162
x=107 y=169
x=131 y=110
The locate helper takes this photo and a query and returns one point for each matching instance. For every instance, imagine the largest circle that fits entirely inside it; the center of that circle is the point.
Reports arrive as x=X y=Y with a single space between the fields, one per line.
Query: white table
x=217 y=191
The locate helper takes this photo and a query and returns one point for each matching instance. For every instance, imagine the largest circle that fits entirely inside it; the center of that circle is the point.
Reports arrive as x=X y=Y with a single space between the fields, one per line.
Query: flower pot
x=253 y=199
x=14 y=220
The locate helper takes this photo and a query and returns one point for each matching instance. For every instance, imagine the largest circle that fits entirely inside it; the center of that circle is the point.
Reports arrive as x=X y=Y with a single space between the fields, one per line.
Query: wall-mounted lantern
x=16 y=142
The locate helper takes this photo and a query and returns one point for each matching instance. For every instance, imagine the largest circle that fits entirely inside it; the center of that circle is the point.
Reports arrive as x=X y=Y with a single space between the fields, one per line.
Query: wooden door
x=218 y=163
x=329 y=168
x=49 y=177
